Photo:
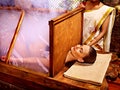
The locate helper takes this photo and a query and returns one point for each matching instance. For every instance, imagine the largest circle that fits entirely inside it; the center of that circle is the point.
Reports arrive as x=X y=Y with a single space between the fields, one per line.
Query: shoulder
x=109 y=7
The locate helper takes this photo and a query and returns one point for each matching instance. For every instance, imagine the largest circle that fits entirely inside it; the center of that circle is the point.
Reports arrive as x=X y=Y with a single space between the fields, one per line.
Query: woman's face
x=80 y=51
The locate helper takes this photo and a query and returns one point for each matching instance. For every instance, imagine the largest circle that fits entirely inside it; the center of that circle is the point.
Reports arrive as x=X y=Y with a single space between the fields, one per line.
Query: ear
x=80 y=60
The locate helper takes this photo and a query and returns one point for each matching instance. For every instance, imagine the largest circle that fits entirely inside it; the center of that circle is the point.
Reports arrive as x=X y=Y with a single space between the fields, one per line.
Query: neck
x=73 y=55
x=94 y=2
x=93 y=5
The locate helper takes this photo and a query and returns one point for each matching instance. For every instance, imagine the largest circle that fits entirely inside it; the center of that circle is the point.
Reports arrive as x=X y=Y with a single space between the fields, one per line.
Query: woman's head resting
x=84 y=53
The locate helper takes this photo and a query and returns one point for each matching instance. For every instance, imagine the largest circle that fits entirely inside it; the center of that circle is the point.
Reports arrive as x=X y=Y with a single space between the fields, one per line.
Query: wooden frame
x=65 y=32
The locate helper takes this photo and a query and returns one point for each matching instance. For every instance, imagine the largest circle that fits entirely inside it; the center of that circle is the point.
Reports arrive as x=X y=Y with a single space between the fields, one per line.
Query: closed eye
x=81 y=50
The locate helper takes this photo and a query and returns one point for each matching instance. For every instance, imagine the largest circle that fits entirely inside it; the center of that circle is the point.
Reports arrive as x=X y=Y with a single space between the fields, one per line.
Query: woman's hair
x=91 y=57
x=101 y=0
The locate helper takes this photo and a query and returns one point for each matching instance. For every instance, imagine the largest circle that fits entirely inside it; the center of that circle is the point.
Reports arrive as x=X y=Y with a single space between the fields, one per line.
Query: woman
x=82 y=53
x=97 y=24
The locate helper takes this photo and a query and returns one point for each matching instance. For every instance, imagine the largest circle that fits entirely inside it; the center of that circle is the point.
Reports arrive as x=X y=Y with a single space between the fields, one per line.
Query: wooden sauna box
x=65 y=32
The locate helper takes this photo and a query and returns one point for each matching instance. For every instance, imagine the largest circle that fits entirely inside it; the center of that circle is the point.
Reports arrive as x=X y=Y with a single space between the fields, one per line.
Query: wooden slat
x=15 y=36
x=65 y=32
x=17 y=28
x=30 y=80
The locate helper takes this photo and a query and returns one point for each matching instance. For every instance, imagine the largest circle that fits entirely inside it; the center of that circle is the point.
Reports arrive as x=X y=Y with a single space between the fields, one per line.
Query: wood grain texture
x=65 y=32
x=29 y=80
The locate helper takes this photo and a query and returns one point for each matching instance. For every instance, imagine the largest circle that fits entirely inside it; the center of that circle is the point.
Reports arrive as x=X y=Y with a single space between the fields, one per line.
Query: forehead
x=86 y=49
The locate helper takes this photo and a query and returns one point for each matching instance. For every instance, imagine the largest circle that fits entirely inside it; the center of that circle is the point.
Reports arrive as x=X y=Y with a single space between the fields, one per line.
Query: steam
x=33 y=36
x=8 y=23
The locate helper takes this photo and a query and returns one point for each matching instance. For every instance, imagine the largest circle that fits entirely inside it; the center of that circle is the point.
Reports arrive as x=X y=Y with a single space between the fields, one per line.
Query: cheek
x=76 y=53
x=81 y=55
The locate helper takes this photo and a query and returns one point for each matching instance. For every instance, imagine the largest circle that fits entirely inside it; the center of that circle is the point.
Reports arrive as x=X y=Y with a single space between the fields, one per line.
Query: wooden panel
x=65 y=32
x=30 y=80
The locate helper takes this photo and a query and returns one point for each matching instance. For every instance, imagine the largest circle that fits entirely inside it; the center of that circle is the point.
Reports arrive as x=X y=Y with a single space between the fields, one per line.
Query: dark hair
x=91 y=57
x=101 y=0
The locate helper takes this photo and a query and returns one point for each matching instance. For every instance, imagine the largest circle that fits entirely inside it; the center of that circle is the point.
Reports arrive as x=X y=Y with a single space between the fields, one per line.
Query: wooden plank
x=65 y=32
x=28 y=79
x=15 y=36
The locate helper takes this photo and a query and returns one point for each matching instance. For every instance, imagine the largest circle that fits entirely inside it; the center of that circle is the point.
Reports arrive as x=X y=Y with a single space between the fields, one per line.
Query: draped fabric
x=93 y=20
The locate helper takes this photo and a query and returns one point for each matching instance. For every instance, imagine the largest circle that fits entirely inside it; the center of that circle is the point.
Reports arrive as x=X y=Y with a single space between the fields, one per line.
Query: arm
x=31 y=60
x=102 y=33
